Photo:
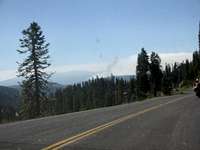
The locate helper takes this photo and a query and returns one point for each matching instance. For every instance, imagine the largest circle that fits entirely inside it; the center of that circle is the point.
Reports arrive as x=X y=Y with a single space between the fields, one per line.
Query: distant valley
x=10 y=89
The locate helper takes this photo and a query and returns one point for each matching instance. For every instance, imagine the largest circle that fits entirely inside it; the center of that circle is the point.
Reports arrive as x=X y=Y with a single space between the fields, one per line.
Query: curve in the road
x=95 y=130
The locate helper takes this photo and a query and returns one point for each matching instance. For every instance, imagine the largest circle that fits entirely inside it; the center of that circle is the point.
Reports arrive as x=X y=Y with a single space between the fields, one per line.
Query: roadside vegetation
x=151 y=80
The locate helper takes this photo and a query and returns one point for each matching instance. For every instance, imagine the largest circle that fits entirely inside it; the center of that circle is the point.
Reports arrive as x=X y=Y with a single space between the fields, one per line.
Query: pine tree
x=167 y=80
x=132 y=90
x=175 y=75
x=196 y=58
x=32 y=69
x=187 y=70
x=27 y=109
x=196 y=63
x=156 y=72
x=1 y=114
x=199 y=37
x=142 y=73
x=59 y=101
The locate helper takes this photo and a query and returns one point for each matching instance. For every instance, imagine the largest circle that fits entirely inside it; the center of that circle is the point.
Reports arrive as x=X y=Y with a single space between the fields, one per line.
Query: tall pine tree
x=142 y=73
x=32 y=69
x=199 y=37
x=167 y=80
x=156 y=72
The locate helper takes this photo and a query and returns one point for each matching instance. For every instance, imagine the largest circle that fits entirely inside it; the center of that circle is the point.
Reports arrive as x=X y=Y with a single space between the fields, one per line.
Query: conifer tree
x=167 y=80
x=142 y=73
x=156 y=72
x=32 y=69
x=199 y=37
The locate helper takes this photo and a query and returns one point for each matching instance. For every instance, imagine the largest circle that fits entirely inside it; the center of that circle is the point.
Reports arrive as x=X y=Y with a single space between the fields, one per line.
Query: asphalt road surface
x=165 y=123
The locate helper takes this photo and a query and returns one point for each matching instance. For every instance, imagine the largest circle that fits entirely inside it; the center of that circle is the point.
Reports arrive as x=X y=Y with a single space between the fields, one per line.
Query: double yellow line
x=87 y=133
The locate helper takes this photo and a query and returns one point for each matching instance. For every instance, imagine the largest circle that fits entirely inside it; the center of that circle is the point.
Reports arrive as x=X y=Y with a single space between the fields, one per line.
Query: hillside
x=9 y=96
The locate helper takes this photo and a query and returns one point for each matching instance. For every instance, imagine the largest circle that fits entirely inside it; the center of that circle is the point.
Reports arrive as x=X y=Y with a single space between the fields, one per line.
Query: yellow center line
x=97 y=129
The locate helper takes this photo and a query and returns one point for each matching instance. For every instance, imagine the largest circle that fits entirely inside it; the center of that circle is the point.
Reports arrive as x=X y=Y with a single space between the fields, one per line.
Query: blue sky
x=98 y=31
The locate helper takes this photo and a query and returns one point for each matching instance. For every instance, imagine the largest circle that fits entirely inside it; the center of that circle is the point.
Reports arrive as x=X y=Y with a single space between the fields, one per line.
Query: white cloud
x=127 y=66
x=7 y=74
x=174 y=57
x=117 y=66
x=78 y=67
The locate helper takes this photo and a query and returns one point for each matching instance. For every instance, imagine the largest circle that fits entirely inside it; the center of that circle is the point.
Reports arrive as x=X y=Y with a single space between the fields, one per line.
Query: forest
x=150 y=80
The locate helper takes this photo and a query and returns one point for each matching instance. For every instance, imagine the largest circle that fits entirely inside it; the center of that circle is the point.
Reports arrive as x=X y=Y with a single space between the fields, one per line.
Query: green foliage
x=9 y=104
x=156 y=73
x=143 y=84
x=186 y=84
x=98 y=92
x=167 y=81
x=196 y=63
x=199 y=36
x=34 y=86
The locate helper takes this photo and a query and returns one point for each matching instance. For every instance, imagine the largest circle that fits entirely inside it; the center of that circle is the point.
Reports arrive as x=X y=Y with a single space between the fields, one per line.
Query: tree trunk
x=36 y=92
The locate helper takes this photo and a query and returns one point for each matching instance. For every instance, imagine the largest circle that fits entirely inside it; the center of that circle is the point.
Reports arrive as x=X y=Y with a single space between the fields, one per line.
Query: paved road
x=167 y=123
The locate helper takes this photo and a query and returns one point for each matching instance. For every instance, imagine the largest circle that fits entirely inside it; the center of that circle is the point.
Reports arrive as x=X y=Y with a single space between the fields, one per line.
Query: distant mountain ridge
x=52 y=87
x=64 y=78
x=10 y=94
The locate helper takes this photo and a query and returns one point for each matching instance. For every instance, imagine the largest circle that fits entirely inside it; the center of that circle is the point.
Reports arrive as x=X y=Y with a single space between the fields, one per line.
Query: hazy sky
x=88 y=32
